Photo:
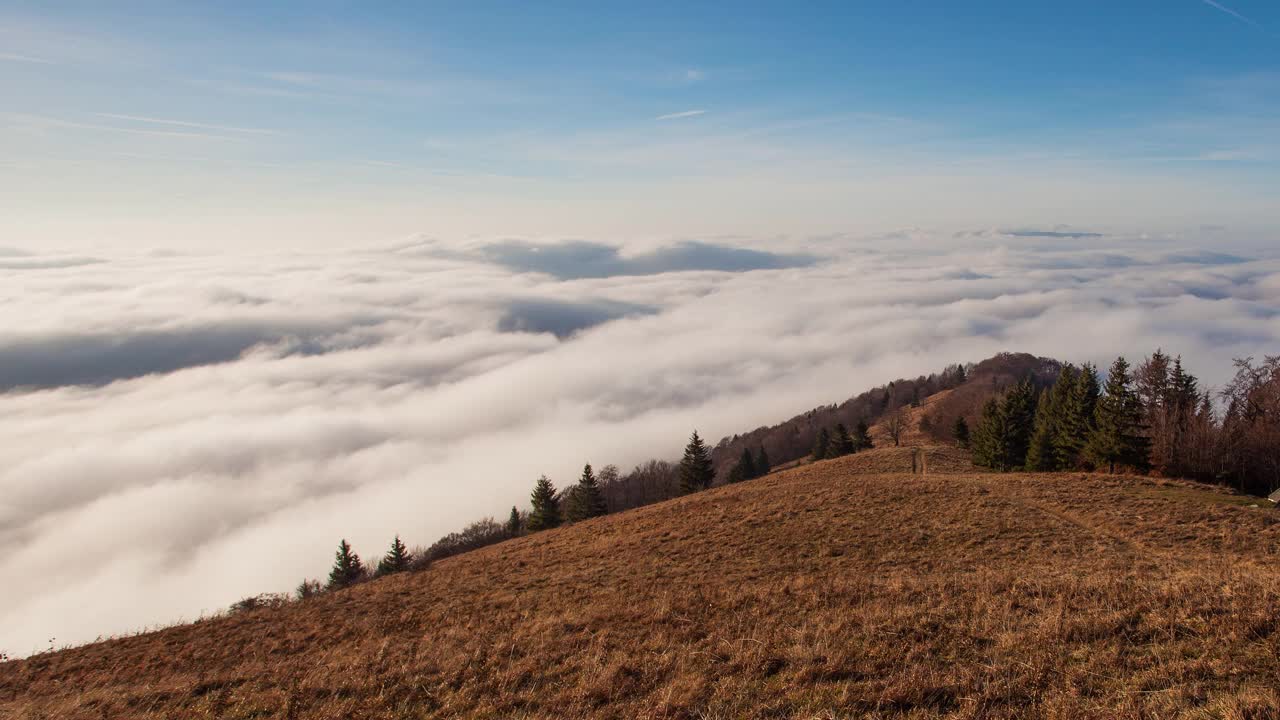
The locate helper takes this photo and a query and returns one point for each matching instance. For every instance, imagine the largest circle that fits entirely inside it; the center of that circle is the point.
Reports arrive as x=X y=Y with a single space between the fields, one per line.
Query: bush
x=476 y=535
x=259 y=602
x=308 y=589
x=421 y=561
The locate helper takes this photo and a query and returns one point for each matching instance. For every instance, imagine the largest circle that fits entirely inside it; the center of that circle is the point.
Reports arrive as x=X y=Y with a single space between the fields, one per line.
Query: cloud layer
x=184 y=430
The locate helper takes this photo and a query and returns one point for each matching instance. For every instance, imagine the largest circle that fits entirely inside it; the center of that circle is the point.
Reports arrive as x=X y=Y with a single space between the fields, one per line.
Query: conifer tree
x=762 y=463
x=822 y=445
x=745 y=469
x=1052 y=418
x=1184 y=396
x=1019 y=409
x=1040 y=454
x=546 y=506
x=513 y=522
x=396 y=560
x=843 y=444
x=347 y=568
x=862 y=436
x=587 y=500
x=696 y=470
x=308 y=589
x=988 y=443
x=1075 y=416
x=960 y=431
x=1116 y=438
x=1152 y=386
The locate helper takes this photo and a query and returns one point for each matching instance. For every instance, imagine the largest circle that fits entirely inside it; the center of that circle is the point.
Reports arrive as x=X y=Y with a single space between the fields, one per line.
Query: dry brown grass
x=827 y=591
x=913 y=433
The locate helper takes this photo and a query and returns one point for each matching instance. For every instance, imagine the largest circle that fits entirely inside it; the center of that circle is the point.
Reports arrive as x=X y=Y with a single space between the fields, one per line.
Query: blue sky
x=335 y=122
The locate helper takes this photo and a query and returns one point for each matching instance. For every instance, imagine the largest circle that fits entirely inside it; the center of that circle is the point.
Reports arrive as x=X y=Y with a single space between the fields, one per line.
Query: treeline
x=796 y=438
x=591 y=496
x=1056 y=417
x=610 y=490
x=840 y=443
x=1156 y=417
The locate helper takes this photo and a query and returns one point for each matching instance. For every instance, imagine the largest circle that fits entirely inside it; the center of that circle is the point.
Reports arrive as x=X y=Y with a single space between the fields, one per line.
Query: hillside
x=838 y=588
x=957 y=391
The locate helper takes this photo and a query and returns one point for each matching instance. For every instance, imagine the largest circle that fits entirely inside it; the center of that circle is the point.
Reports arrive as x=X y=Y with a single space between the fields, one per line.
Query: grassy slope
x=830 y=590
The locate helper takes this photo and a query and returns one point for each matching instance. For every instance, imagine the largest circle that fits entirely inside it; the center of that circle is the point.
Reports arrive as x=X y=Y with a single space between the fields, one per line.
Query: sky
x=324 y=123
x=275 y=277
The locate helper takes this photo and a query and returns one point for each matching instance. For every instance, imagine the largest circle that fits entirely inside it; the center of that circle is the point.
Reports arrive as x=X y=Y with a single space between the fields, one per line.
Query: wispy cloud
x=41 y=122
x=678 y=115
x=1223 y=8
x=184 y=123
x=1230 y=155
x=13 y=57
x=305 y=79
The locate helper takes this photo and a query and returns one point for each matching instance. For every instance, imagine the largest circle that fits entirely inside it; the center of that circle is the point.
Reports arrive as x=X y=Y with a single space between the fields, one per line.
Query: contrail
x=1233 y=13
x=678 y=115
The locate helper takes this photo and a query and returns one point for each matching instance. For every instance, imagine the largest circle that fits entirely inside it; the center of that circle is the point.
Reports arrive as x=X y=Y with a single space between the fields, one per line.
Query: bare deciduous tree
x=895 y=424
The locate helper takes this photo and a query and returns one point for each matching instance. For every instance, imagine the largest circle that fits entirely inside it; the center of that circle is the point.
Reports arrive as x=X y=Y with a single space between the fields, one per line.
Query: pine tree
x=989 y=449
x=1184 y=391
x=1060 y=402
x=960 y=431
x=347 y=568
x=546 y=506
x=587 y=501
x=762 y=463
x=1075 y=415
x=396 y=560
x=1117 y=437
x=1019 y=414
x=1153 y=389
x=513 y=522
x=745 y=469
x=843 y=444
x=862 y=437
x=822 y=445
x=1040 y=454
x=696 y=470
x=1203 y=450
x=308 y=589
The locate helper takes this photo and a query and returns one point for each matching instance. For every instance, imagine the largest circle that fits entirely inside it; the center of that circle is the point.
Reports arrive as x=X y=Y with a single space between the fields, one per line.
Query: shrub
x=259 y=602
x=308 y=589
x=476 y=535
x=421 y=561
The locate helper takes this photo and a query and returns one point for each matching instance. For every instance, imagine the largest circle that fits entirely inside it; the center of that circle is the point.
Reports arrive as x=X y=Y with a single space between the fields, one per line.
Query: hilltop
x=933 y=401
x=847 y=587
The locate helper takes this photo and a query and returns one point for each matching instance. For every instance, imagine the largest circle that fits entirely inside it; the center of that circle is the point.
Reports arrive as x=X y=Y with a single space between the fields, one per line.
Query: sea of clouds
x=180 y=430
